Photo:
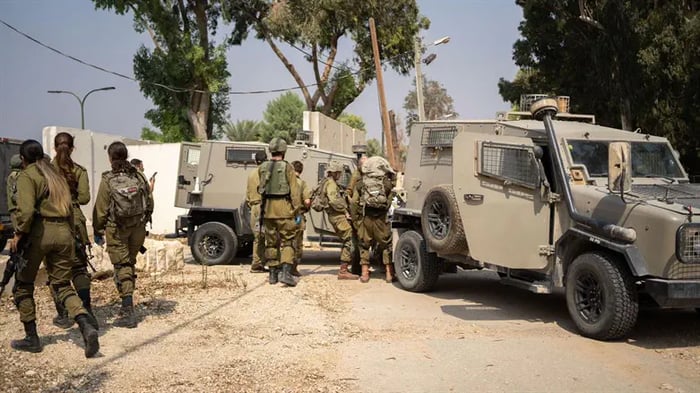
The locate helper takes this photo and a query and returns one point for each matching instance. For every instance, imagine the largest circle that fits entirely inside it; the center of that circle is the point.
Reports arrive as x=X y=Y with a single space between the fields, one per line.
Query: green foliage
x=636 y=65
x=374 y=148
x=316 y=27
x=243 y=130
x=185 y=75
x=284 y=116
x=353 y=121
x=436 y=101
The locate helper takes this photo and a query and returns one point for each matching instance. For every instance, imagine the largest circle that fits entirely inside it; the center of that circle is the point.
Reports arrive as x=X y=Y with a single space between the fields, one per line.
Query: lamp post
x=419 y=75
x=81 y=101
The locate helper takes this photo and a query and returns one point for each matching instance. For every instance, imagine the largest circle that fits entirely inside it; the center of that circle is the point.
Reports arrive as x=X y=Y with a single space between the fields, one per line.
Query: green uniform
x=254 y=199
x=299 y=241
x=278 y=218
x=49 y=237
x=123 y=242
x=373 y=227
x=336 y=211
x=12 y=195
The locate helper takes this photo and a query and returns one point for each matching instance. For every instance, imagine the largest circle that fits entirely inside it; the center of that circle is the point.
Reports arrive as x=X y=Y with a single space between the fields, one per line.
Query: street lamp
x=419 y=74
x=81 y=101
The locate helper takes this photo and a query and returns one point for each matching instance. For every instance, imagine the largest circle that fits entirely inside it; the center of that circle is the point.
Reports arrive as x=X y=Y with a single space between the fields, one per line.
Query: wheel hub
x=438 y=220
x=589 y=297
x=408 y=263
x=212 y=246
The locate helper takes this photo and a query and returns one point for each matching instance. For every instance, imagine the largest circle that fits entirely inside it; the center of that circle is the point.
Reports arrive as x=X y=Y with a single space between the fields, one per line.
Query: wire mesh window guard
x=237 y=155
x=515 y=164
x=438 y=136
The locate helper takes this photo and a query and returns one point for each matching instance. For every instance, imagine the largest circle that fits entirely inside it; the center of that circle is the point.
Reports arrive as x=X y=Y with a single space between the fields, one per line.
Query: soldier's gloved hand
x=99 y=240
x=297 y=219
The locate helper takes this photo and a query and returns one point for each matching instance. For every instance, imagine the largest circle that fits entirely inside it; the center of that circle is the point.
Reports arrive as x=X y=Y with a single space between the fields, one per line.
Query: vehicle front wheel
x=601 y=297
x=214 y=243
x=416 y=269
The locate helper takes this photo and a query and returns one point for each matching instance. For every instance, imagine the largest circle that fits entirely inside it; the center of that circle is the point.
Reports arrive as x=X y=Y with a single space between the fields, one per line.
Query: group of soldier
x=44 y=198
x=279 y=199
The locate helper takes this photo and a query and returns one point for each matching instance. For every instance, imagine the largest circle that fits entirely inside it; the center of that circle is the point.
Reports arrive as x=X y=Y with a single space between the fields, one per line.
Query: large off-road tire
x=416 y=269
x=214 y=243
x=601 y=297
x=441 y=221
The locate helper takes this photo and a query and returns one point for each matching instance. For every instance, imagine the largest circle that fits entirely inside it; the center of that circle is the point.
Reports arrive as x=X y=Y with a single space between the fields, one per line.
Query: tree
x=185 y=74
x=284 y=116
x=243 y=130
x=318 y=33
x=374 y=148
x=436 y=101
x=353 y=121
x=634 y=64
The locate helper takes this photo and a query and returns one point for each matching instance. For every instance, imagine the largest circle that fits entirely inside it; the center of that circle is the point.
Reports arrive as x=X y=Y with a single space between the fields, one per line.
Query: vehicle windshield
x=649 y=159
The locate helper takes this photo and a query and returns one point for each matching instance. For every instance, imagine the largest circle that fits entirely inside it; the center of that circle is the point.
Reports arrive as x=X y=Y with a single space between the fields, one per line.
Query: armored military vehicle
x=553 y=201
x=8 y=148
x=211 y=183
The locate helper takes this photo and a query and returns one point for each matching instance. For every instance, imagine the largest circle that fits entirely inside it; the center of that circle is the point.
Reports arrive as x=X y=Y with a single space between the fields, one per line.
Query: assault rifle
x=84 y=252
x=15 y=264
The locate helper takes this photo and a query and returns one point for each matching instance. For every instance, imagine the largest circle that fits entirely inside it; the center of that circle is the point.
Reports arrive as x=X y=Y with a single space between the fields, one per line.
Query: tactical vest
x=273 y=179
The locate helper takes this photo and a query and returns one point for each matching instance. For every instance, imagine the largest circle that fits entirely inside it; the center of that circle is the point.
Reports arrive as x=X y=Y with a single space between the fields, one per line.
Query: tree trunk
x=198 y=115
x=626 y=114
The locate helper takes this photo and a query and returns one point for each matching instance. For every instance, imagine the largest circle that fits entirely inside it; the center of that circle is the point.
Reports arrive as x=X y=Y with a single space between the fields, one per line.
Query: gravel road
x=229 y=330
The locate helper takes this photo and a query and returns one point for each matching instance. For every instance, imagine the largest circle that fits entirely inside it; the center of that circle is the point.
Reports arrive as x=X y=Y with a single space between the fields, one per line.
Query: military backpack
x=128 y=198
x=319 y=197
x=373 y=184
x=273 y=179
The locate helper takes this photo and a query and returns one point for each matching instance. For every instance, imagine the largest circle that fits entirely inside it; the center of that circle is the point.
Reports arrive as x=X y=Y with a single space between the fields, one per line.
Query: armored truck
x=211 y=183
x=8 y=148
x=548 y=201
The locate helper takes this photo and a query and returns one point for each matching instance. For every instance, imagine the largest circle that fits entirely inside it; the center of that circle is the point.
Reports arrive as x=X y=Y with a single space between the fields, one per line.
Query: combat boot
x=84 y=295
x=61 y=319
x=274 y=275
x=286 y=275
x=30 y=342
x=258 y=268
x=364 y=278
x=344 y=273
x=295 y=271
x=390 y=276
x=127 y=317
x=90 y=336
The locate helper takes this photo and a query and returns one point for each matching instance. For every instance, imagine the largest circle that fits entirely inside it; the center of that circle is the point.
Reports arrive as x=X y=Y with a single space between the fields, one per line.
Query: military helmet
x=278 y=145
x=335 y=166
x=16 y=162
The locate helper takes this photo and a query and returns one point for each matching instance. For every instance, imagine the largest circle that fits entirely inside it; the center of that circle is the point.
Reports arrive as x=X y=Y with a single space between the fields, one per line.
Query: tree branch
x=321 y=84
x=293 y=71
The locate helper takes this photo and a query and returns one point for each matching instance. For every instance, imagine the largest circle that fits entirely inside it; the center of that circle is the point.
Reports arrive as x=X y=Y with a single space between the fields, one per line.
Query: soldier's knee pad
x=22 y=291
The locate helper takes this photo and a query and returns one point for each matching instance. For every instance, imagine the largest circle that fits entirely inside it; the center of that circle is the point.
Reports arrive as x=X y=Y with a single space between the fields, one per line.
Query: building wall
x=332 y=135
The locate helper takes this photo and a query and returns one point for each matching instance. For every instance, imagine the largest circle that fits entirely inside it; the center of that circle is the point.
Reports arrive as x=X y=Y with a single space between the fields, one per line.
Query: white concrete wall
x=332 y=135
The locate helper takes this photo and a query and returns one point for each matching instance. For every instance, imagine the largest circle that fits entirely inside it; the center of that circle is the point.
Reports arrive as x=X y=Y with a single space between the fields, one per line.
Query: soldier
x=15 y=168
x=253 y=199
x=77 y=179
x=45 y=228
x=138 y=164
x=281 y=205
x=306 y=198
x=361 y=151
x=372 y=196
x=123 y=206
x=338 y=215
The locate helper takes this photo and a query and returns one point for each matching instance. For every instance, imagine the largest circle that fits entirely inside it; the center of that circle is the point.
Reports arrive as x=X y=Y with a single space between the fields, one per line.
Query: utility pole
x=382 y=98
x=419 y=79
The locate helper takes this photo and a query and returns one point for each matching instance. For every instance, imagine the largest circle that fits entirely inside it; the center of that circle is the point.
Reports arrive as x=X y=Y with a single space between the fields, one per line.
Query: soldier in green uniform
x=253 y=199
x=361 y=151
x=306 y=199
x=77 y=179
x=123 y=206
x=372 y=196
x=281 y=204
x=15 y=168
x=45 y=230
x=337 y=212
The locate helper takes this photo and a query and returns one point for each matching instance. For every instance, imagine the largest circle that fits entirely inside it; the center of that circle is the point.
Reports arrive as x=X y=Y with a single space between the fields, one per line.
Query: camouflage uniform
x=253 y=198
x=279 y=213
x=16 y=167
x=49 y=236
x=299 y=239
x=123 y=243
x=336 y=212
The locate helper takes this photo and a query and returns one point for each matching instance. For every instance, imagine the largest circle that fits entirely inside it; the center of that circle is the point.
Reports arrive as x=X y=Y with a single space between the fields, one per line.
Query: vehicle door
x=187 y=173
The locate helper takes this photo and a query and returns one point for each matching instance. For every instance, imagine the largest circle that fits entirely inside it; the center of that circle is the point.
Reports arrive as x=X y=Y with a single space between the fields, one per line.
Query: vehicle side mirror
x=620 y=167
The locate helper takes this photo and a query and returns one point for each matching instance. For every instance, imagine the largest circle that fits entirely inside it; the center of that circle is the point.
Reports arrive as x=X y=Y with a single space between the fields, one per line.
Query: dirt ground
x=230 y=331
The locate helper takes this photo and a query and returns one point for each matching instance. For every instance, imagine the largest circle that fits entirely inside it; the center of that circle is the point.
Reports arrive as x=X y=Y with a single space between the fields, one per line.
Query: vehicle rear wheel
x=441 y=222
x=416 y=269
x=214 y=243
x=601 y=297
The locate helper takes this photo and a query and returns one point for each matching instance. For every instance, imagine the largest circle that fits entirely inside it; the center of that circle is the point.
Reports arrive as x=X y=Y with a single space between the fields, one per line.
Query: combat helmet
x=278 y=145
x=16 y=162
x=335 y=166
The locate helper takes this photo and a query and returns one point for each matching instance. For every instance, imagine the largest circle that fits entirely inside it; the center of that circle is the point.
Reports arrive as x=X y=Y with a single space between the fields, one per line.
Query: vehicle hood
x=685 y=194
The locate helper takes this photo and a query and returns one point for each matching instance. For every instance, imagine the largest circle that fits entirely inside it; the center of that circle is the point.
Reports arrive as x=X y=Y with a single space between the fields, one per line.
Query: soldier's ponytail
x=58 y=191
x=118 y=154
x=63 y=143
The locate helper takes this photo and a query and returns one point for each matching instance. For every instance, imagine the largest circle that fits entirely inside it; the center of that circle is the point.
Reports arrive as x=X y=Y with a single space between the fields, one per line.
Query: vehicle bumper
x=674 y=293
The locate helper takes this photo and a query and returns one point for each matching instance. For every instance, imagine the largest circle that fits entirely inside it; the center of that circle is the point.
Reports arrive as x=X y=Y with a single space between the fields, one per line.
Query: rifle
x=84 y=252
x=15 y=264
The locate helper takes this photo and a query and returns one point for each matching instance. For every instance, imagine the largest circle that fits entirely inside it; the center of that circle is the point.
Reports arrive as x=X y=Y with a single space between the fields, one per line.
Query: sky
x=482 y=33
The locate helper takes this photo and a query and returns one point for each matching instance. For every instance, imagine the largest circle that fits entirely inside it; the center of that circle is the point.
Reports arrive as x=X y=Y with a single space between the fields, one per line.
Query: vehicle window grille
x=515 y=164
x=238 y=155
x=344 y=176
x=438 y=136
x=432 y=156
x=322 y=170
